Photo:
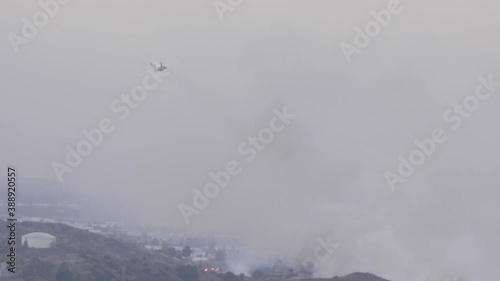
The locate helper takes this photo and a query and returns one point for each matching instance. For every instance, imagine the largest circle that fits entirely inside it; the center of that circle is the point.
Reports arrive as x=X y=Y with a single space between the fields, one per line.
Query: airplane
x=158 y=66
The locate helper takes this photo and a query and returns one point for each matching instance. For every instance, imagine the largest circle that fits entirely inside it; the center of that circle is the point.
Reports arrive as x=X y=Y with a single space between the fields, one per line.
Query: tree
x=170 y=251
x=25 y=243
x=211 y=246
x=28 y=272
x=186 y=252
x=229 y=276
x=220 y=255
x=64 y=273
x=257 y=274
x=187 y=273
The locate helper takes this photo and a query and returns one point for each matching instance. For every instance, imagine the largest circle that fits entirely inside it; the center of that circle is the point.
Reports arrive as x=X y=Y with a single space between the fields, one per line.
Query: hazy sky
x=324 y=174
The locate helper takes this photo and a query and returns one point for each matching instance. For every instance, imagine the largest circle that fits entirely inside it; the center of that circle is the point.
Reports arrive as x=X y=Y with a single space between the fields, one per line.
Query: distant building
x=199 y=255
x=38 y=240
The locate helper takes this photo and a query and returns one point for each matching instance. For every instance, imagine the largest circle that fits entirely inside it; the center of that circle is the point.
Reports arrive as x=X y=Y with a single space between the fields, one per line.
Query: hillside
x=79 y=255
x=86 y=256
x=357 y=276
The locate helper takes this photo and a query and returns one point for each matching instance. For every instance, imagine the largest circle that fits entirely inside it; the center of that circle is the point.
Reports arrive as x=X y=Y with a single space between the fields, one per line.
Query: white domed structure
x=39 y=240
